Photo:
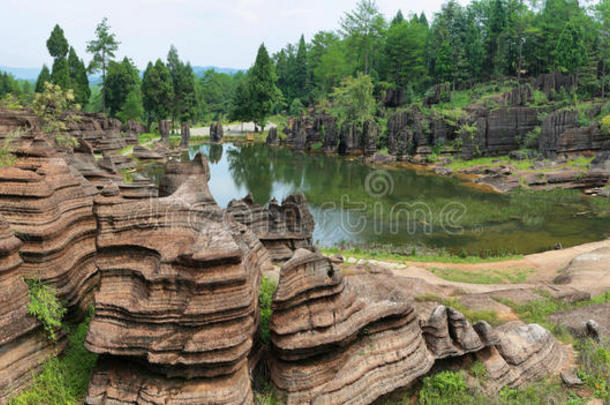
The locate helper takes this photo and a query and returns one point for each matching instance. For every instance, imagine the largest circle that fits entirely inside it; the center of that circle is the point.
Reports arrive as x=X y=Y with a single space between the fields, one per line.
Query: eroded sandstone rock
x=178 y=297
x=282 y=228
x=216 y=132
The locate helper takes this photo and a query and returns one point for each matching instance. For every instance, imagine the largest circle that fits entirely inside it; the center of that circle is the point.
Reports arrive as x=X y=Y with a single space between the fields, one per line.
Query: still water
x=358 y=204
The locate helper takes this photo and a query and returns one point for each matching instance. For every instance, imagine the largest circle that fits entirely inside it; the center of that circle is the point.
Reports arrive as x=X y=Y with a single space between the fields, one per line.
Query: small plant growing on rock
x=444 y=388
x=265 y=296
x=54 y=107
x=6 y=149
x=45 y=306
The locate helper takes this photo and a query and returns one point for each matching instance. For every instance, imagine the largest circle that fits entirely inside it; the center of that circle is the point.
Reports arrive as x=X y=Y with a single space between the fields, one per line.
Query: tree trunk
x=603 y=79
x=104 y=82
x=520 y=44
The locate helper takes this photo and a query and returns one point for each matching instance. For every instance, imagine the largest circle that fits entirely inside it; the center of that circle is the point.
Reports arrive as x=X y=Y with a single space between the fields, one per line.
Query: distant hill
x=31 y=74
x=199 y=70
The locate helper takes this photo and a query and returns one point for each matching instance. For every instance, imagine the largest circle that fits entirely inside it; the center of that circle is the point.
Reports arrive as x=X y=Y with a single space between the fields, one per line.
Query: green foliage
x=262 y=91
x=265 y=296
x=43 y=77
x=478 y=369
x=445 y=388
x=45 y=306
x=63 y=380
x=57 y=43
x=539 y=98
x=483 y=276
x=132 y=108
x=296 y=108
x=353 y=100
x=103 y=48
x=78 y=78
x=604 y=123
x=594 y=361
x=6 y=149
x=157 y=91
x=183 y=107
x=54 y=109
x=123 y=78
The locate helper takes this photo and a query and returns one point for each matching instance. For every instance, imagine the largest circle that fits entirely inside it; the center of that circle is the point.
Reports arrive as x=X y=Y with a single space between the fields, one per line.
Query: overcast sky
x=224 y=33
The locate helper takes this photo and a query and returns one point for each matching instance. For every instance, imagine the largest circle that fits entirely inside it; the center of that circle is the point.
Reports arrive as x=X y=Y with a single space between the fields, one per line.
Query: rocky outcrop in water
x=216 y=132
x=176 y=310
x=296 y=135
x=176 y=173
x=282 y=228
x=185 y=132
x=358 y=138
x=351 y=339
x=272 y=137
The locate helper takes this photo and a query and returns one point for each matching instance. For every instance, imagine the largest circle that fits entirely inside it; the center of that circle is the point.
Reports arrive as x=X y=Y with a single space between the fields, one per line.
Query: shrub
x=265 y=296
x=63 y=380
x=45 y=306
x=604 y=123
x=53 y=107
x=594 y=360
x=444 y=388
x=540 y=98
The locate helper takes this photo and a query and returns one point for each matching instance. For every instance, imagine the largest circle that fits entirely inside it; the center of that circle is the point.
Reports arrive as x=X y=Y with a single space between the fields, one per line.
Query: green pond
x=358 y=204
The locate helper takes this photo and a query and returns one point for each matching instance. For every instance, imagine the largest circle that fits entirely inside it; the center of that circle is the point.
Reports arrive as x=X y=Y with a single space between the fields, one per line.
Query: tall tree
x=78 y=78
x=103 y=48
x=261 y=87
x=123 y=77
x=571 y=52
x=302 y=83
x=363 y=28
x=183 y=106
x=43 y=76
x=57 y=44
x=157 y=91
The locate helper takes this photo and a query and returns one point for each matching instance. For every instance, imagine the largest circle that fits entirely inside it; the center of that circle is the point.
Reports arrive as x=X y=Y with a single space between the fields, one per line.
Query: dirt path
x=544 y=268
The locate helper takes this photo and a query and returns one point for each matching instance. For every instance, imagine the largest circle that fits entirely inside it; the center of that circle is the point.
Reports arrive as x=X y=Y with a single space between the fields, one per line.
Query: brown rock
x=281 y=228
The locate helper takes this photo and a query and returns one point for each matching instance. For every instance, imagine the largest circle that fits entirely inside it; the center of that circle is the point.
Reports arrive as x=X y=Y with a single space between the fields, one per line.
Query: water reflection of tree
x=215 y=152
x=250 y=167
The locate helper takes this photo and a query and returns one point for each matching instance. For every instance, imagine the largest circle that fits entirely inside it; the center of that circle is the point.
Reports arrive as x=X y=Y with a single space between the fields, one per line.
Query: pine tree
x=43 y=76
x=157 y=91
x=261 y=87
x=103 y=48
x=78 y=78
x=58 y=49
x=123 y=77
x=302 y=71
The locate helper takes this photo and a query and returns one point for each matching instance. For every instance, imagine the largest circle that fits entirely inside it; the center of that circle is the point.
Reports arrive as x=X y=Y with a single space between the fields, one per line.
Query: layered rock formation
x=216 y=132
x=176 y=310
x=132 y=129
x=50 y=207
x=23 y=344
x=358 y=138
x=331 y=346
x=103 y=134
x=281 y=228
x=296 y=135
x=553 y=125
x=339 y=340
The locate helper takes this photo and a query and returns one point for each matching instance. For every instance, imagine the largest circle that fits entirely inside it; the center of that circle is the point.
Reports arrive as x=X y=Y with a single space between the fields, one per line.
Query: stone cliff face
x=178 y=297
x=350 y=340
x=281 y=228
x=23 y=344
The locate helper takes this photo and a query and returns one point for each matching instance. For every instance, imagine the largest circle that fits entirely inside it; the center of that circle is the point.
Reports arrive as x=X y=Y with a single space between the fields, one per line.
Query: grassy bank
x=414 y=256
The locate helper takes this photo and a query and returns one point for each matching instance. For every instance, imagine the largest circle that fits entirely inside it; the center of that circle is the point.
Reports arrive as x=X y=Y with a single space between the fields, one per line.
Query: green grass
x=432 y=258
x=127 y=150
x=148 y=137
x=537 y=311
x=265 y=295
x=64 y=379
x=483 y=161
x=483 y=276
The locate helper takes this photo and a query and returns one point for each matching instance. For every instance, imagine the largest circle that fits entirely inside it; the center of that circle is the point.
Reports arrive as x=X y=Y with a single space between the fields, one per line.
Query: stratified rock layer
x=350 y=340
x=281 y=228
x=178 y=296
x=23 y=344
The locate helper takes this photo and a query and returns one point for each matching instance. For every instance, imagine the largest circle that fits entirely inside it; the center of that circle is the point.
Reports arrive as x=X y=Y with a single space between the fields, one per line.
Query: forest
x=384 y=63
